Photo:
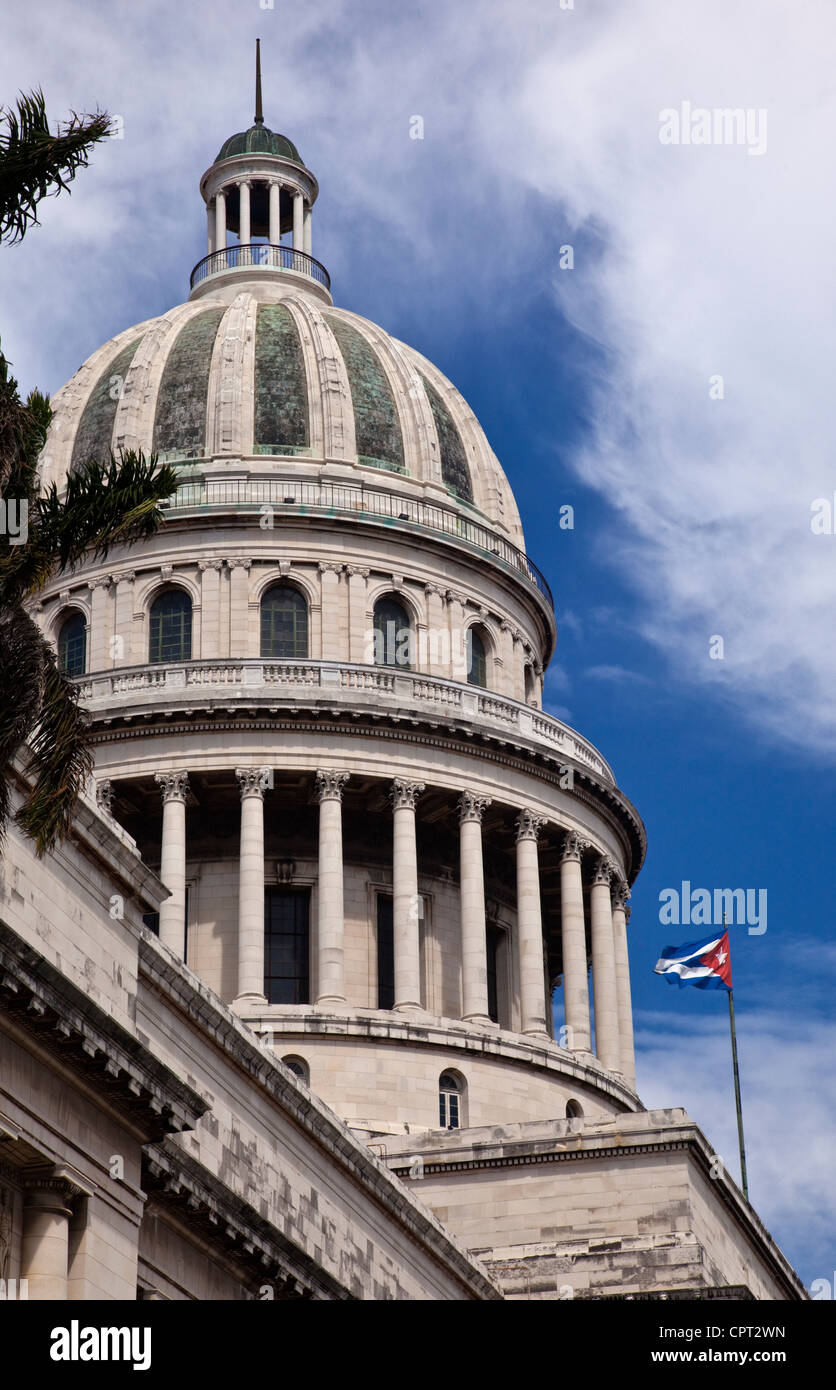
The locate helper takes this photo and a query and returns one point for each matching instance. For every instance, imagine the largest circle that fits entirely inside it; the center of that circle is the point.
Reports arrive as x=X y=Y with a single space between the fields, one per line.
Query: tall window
x=493 y=941
x=284 y=624
x=385 y=952
x=171 y=627
x=477 y=658
x=72 y=645
x=287 y=946
x=392 y=634
x=450 y=1100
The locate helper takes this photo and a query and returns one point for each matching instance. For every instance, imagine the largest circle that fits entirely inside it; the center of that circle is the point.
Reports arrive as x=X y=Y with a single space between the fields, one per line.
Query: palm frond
x=62 y=760
x=36 y=162
x=24 y=655
x=104 y=504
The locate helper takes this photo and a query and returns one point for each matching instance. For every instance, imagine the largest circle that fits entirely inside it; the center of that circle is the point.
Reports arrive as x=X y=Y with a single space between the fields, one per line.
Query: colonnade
x=608 y=914
x=217 y=218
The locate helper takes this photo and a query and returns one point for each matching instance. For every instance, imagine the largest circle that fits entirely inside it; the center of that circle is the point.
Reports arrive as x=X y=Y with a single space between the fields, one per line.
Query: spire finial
x=259 y=114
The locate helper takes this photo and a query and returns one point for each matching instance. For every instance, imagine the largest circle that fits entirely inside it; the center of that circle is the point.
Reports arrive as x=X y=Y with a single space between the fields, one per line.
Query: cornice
x=61 y=1018
x=606 y=801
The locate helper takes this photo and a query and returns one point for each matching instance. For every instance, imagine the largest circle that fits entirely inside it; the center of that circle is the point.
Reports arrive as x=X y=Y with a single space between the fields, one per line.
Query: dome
x=243 y=378
x=259 y=140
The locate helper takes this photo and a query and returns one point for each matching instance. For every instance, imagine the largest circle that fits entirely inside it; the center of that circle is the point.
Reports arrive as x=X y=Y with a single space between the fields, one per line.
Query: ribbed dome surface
x=259 y=140
x=255 y=381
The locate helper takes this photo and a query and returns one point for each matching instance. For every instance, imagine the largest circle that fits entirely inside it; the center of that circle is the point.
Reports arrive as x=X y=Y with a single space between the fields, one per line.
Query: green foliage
x=104 y=504
x=36 y=162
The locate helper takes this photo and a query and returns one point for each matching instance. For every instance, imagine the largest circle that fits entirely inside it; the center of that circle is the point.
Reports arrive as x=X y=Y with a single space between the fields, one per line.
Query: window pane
x=287 y=946
x=385 y=952
x=72 y=646
x=171 y=627
x=392 y=634
x=284 y=624
x=477 y=659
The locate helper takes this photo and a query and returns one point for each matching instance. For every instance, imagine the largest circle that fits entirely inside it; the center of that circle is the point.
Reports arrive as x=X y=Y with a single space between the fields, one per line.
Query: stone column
x=99 y=624
x=357 y=635
x=306 y=240
x=603 y=968
x=509 y=661
x=210 y=606
x=298 y=203
x=437 y=660
x=331 y=923
x=44 y=1260
x=220 y=220
x=474 y=941
x=575 y=969
x=252 y=781
x=210 y=226
x=530 y=926
x=333 y=648
x=620 y=917
x=458 y=646
x=122 y=644
x=244 y=212
x=405 y=895
x=174 y=787
x=275 y=213
x=239 y=613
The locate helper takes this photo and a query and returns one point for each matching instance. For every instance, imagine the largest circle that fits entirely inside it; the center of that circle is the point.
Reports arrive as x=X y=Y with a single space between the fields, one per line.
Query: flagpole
x=737 y=1098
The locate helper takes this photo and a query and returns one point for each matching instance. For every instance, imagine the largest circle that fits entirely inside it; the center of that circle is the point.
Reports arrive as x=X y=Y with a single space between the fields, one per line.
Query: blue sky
x=692 y=514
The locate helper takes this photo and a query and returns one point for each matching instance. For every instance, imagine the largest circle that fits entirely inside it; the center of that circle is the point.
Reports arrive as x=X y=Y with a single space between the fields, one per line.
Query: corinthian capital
x=471 y=806
x=604 y=871
x=252 y=780
x=329 y=784
x=404 y=794
x=620 y=894
x=528 y=824
x=573 y=846
x=173 y=785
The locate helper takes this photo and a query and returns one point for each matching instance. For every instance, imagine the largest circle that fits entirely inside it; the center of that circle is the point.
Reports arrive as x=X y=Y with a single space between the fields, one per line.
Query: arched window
x=171 y=627
x=284 y=624
x=72 y=645
x=477 y=658
x=299 y=1067
x=451 y=1100
x=392 y=634
x=529 y=685
x=574 y=1110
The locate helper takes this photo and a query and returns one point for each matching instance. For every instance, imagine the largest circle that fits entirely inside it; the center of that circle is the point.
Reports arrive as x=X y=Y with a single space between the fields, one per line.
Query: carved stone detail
x=174 y=786
x=604 y=870
x=405 y=793
x=472 y=805
x=329 y=784
x=239 y=562
x=252 y=780
x=215 y=564
x=573 y=846
x=104 y=795
x=528 y=824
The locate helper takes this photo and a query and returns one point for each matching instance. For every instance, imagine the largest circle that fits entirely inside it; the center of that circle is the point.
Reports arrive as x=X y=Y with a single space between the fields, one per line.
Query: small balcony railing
x=259 y=256
x=339 y=685
x=300 y=495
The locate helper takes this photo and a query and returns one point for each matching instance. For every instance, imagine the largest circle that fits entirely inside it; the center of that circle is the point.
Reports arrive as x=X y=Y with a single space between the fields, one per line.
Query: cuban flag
x=706 y=963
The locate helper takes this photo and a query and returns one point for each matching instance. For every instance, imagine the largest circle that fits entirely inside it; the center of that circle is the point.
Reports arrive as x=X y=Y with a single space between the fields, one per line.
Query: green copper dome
x=259 y=140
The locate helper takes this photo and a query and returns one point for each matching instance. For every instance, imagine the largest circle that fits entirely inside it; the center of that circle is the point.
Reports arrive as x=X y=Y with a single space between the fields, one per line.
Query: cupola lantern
x=259 y=196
